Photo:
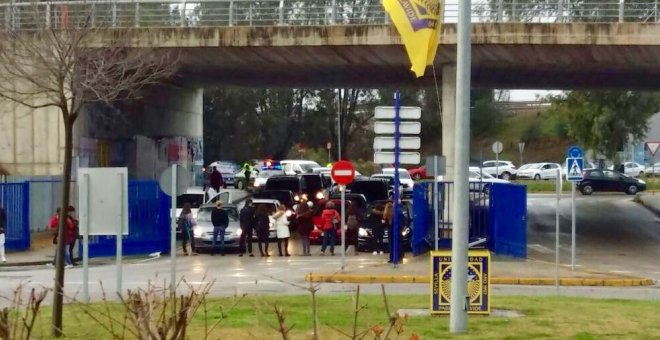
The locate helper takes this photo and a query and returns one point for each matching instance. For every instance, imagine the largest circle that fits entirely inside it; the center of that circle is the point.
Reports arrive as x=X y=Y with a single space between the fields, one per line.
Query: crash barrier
x=15 y=198
x=507 y=232
x=148 y=224
x=498 y=217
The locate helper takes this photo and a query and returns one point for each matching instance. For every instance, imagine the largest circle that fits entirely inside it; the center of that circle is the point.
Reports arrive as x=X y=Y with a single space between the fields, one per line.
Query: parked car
x=604 y=180
x=481 y=181
x=197 y=197
x=263 y=176
x=314 y=186
x=500 y=169
x=372 y=189
x=294 y=184
x=538 y=171
x=653 y=169
x=633 y=169
x=203 y=232
x=365 y=234
x=227 y=169
x=294 y=167
x=404 y=177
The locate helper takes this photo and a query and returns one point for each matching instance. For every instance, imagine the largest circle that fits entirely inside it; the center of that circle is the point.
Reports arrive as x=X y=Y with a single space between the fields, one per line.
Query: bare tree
x=61 y=63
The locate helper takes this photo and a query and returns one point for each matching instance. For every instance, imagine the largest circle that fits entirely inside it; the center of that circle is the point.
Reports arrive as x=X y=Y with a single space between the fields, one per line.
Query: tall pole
x=572 y=225
x=85 y=241
x=394 y=233
x=341 y=225
x=339 y=95
x=459 y=258
x=120 y=233
x=558 y=188
x=173 y=231
x=436 y=213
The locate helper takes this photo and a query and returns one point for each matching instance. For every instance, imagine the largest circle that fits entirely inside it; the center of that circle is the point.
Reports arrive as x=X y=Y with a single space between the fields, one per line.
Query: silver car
x=204 y=230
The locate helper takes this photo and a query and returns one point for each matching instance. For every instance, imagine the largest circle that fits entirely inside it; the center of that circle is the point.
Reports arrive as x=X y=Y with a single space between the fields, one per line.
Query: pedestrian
x=330 y=218
x=377 y=224
x=247 y=221
x=389 y=217
x=247 y=170
x=304 y=215
x=353 y=220
x=220 y=221
x=281 y=222
x=76 y=233
x=3 y=230
x=216 y=179
x=187 y=224
x=53 y=225
x=262 y=226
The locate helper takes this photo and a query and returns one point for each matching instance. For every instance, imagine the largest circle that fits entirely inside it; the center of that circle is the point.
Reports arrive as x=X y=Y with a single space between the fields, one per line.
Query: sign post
x=497 y=149
x=574 y=167
x=343 y=174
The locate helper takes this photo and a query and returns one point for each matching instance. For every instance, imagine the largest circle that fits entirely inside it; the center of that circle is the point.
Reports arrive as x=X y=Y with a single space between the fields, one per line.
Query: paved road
x=614 y=234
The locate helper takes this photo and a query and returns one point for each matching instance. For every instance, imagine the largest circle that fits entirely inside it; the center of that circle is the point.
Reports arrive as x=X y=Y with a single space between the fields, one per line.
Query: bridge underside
x=494 y=66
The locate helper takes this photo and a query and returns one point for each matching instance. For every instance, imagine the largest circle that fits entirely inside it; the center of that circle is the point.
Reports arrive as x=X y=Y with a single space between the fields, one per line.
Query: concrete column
x=448 y=117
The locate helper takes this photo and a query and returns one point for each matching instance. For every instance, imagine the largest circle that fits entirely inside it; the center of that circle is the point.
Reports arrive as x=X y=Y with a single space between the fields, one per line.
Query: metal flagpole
x=173 y=231
x=459 y=258
x=85 y=240
x=394 y=234
x=341 y=225
x=120 y=234
x=436 y=219
x=558 y=188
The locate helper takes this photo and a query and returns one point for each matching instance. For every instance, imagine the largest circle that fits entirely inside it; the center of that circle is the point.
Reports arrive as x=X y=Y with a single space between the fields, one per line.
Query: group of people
x=257 y=220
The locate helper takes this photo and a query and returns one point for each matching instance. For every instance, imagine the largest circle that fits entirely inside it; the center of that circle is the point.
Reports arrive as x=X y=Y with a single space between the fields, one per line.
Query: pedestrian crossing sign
x=574 y=167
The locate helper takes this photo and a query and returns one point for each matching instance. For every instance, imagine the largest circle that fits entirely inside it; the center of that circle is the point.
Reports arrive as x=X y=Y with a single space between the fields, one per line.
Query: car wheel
x=417 y=177
x=506 y=176
x=587 y=190
x=240 y=185
x=632 y=190
x=537 y=177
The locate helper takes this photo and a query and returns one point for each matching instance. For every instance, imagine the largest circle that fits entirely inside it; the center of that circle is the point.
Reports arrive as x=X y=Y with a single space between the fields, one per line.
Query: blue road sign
x=574 y=167
x=574 y=152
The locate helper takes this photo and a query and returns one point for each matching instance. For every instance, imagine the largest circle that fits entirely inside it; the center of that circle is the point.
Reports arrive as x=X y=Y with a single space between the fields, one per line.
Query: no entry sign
x=343 y=172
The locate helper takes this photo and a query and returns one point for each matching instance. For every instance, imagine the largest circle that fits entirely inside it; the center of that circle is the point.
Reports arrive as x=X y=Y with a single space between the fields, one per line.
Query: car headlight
x=256 y=184
x=320 y=196
x=198 y=232
x=363 y=232
x=641 y=181
x=288 y=213
x=304 y=196
x=239 y=232
x=296 y=198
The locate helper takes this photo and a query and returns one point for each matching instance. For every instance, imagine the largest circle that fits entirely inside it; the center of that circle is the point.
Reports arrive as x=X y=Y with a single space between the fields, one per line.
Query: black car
x=314 y=187
x=294 y=184
x=372 y=189
x=365 y=234
x=609 y=181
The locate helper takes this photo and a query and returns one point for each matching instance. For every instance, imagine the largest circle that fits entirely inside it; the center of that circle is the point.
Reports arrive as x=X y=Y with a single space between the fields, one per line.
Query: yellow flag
x=418 y=23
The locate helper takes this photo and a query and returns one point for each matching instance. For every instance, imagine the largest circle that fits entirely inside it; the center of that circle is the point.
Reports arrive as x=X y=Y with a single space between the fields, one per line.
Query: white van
x=294 y=167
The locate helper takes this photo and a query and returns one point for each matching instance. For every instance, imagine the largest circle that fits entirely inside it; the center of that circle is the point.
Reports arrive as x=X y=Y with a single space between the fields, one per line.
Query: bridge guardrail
x=210 y=13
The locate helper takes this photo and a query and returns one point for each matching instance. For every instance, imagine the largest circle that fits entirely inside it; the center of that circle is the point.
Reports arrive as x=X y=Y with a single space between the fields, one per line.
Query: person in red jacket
x=70 y=236
x=330 y=221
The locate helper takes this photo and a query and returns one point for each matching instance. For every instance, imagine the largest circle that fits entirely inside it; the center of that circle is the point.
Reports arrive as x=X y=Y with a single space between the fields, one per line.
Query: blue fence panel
x=508 y=220
x=148 y=223
x=422 y=218
x=15 y=198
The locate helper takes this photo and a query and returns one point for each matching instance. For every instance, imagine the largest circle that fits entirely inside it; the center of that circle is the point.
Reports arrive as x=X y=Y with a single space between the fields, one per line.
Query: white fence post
x=281 y=9
x=333 y=13
x=137 y=14
x=182 y=14
x=621 y=5
x=560 y=11
x=231 y=13
x=114 y=14
x=48 y=15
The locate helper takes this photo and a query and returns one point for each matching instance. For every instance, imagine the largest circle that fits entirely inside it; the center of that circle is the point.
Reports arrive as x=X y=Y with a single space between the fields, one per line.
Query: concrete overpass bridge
x=615 y=44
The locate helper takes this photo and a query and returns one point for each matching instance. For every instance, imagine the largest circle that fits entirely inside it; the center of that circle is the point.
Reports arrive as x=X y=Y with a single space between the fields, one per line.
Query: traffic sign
x=405 y=143
x=574 y=168
x=343 y=172
x=498 y=147
x=182 y=181
x=405 y=128
x=405 y=112
x=653 y=147
x=404 y=157
x=574 y=152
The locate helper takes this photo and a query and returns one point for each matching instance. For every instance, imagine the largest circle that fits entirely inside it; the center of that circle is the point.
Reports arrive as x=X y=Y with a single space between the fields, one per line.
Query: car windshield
x=308 y=167
x=288 y=183
x=195 y=200
x=372 y=190
x=403 y=174
x=204 y=214
x=313 y=183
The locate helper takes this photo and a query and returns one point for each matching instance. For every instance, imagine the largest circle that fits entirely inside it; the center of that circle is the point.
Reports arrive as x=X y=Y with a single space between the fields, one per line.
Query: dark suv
x=372 y=189
x=609 y=181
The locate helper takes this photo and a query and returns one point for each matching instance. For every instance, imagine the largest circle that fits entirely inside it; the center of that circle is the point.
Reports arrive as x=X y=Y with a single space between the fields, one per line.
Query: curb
x=649 y=207
x=607 y=282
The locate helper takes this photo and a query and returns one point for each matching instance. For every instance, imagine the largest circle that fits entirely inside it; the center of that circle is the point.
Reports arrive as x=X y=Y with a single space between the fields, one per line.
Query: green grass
x=544 y=317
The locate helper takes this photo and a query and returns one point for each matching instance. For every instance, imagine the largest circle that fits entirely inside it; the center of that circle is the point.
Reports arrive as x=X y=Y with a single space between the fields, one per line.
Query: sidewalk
x=503 y=271
x=651 y=201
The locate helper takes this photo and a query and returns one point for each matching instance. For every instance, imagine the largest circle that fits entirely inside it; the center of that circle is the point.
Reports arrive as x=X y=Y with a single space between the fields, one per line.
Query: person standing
x=216 y=179
x=247 y=220
x=220 y=221
x=282 y=229
x=68 y=237
x=304 y=214
x=247 y=170
x=3 y=230
x=262 y=225
x=186 y=224
x=330 y=220
x=353 y=220
x=377 y=224
x=76 y=233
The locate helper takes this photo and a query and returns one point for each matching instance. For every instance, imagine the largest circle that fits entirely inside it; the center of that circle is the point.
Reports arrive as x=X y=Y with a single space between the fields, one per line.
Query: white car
x=500 y=169
x=294 y=167
x=653 y=169
x=404 y=177
x=203 y=232
x=632 y=169
x=481 y=181
x=197 y=197
x=538 y=171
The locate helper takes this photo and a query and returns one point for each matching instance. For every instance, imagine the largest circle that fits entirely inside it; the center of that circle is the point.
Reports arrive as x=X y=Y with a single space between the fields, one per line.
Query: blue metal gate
x=507 y=232
x=148 y=223
x=15 y=198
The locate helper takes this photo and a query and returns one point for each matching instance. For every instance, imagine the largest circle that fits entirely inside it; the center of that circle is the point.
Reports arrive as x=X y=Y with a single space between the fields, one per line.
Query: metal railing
x=209 y=13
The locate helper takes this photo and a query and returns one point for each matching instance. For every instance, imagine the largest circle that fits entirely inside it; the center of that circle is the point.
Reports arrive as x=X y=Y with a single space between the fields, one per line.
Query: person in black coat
x=216 y=179
x=247 y=220
x=262 y=227
x=220 y=221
